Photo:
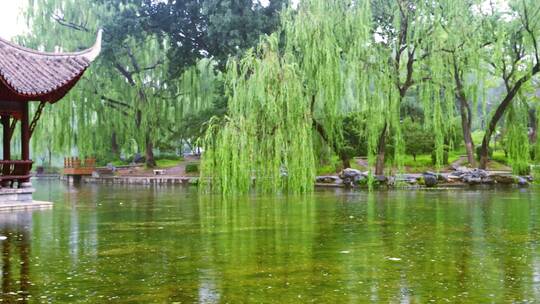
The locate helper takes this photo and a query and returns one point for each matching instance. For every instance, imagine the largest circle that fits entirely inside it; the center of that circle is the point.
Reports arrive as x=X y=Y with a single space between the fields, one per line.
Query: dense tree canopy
x=267 y=89
x=210 y=28
x=369 y=58
x=130 y=101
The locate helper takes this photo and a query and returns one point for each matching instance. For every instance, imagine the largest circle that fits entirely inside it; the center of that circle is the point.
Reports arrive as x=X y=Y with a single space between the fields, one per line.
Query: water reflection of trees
x=457 y=246
x=173 y=245
x=15 y=231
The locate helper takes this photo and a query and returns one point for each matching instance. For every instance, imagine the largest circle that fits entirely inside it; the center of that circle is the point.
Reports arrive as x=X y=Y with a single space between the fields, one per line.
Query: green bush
x=478 y=150
x=331 y=165
x=192 y=168
x=417 y=139
x=168 y=155
x=535 y=172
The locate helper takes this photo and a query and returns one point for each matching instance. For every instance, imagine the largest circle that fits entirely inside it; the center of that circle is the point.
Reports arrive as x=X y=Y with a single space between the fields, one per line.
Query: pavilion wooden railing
x=76 y=166
x=15 y=171
x=75 y=162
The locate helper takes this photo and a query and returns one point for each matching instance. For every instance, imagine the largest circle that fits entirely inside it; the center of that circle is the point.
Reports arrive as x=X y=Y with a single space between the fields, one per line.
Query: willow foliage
x=287 y=98
x=328 y=39
x=349 y=59
x=126 y=100
x=278 y=97
x=340 y=68
x=517 y=142
x=268 y=131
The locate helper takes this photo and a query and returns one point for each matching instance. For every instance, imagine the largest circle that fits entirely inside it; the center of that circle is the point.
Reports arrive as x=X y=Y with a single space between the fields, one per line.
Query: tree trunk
x=381 y=148
x=466 y=122
x=501 y=109
x=466 y=114
x=533 y=122
x=50 y=156
x=150 y=160
x=484 y=152
x=114 y=145
x=345 y=161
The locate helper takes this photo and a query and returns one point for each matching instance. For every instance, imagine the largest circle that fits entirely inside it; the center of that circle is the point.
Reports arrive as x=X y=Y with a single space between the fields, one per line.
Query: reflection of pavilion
x=31 y=76
x=15 y=262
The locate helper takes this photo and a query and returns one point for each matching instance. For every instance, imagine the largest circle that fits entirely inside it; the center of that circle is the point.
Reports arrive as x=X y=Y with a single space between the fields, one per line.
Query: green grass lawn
x=424 y=162
x=163 y=163
x=167 y=163
x=499 y=156
x=118 y=162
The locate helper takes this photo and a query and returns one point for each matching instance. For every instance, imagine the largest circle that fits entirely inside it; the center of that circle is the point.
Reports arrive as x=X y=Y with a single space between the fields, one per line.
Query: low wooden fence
x=76 y=166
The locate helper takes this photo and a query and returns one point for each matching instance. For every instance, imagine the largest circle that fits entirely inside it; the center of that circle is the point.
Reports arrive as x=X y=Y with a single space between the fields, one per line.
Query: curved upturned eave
x=90 y=53
x=34 y=76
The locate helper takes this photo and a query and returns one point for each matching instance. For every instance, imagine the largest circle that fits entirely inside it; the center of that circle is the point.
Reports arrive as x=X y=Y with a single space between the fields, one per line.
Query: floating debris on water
x=393 y=259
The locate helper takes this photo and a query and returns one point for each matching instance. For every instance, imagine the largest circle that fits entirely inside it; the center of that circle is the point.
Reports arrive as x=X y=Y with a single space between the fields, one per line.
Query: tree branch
x=125 y=73
x=78 y=27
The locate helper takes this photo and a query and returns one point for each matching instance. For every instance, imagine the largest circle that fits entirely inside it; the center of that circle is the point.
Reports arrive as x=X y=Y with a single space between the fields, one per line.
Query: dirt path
x=460 y=162
x=492 y=165
x=180 y=169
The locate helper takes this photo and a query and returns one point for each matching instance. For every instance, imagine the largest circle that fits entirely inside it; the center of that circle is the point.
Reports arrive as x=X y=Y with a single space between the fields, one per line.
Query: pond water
x=103 y=244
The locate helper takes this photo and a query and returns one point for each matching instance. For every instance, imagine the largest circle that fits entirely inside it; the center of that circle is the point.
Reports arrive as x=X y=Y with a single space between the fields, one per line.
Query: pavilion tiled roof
x=29 y=75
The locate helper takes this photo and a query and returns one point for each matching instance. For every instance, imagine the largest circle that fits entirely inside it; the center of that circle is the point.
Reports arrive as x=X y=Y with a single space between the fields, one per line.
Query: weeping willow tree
x=515 y=58
x=55 y=130
x=199 y=97
x=461 y=45
x=282 y=99
x=127 y=101
x=343 y=66
x=517 y=141
x=404 y=32
x=330 y=41
x=267 y=133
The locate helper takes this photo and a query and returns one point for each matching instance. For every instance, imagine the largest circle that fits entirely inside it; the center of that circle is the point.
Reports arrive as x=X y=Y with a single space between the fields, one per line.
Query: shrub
x=535 y=172
x=417 y=139
x=192 y=168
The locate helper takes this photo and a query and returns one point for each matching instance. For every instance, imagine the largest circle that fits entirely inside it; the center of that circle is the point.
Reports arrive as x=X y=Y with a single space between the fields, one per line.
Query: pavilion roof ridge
x=89 y=53
x=30 y=75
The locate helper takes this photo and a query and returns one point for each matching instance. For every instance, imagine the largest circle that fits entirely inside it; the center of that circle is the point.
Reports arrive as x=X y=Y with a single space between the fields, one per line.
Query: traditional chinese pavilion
x=31 y=76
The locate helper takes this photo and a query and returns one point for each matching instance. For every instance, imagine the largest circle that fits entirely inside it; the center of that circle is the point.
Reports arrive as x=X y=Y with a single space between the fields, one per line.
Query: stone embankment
x=351 y=178
x=461 y=176
x=142 y=180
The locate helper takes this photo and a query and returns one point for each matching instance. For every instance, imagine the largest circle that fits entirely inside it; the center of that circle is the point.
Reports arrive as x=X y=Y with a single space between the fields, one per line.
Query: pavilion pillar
x=7 y=137
x=25 y=143
x=25 y=133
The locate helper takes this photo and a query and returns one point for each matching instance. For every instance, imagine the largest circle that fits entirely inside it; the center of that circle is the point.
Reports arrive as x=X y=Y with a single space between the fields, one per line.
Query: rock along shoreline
x=462 y=176
x=348 y=178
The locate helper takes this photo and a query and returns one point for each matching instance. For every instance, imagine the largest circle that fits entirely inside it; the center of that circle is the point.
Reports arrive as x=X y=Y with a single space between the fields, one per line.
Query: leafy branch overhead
x=157 y=66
